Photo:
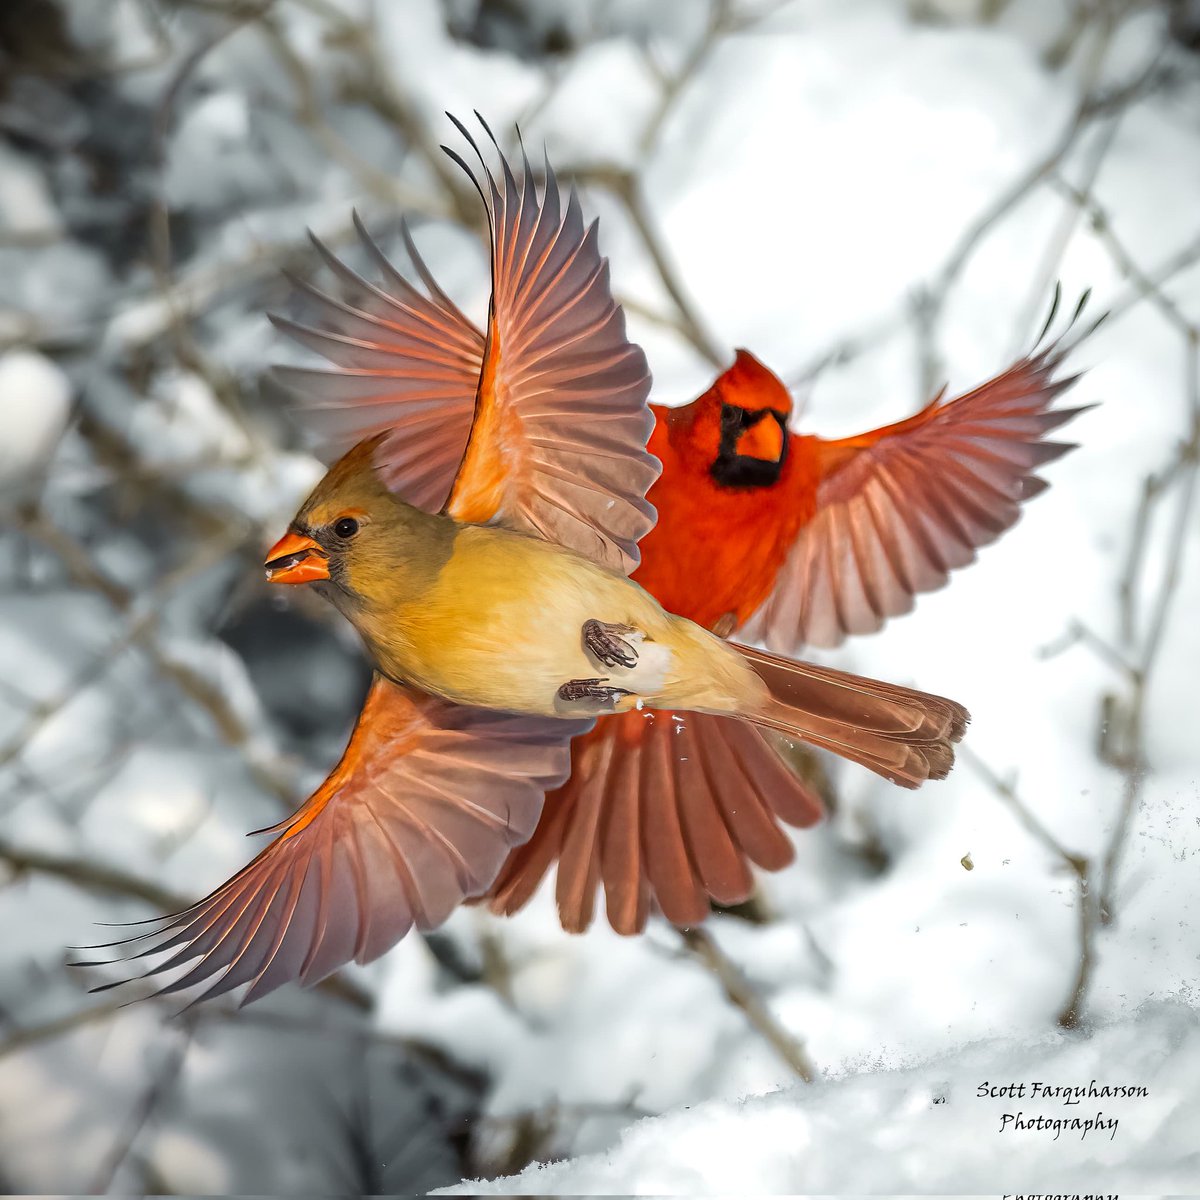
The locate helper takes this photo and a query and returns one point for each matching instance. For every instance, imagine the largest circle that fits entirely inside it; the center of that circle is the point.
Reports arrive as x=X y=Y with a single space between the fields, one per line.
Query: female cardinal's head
x=739 y=428
x=352 y=538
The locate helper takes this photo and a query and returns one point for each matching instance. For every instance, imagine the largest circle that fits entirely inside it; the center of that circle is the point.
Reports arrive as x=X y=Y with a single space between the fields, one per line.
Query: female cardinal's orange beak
x=296 y=559
x=764 y=439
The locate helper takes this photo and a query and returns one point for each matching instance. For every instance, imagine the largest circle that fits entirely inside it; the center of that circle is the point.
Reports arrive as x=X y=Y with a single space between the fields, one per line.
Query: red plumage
x=844 y=534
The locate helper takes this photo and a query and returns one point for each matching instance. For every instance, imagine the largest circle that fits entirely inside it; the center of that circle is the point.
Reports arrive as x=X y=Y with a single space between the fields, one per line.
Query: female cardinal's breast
x=502 y=626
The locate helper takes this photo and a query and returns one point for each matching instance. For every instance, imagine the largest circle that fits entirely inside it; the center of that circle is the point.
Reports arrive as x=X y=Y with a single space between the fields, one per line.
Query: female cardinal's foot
x=575 y=690
x=606 y=645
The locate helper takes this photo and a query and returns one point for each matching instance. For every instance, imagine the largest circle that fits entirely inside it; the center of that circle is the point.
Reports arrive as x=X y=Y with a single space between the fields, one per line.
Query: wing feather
x=419 y=815
x=492 y=428
x=556 y=361
x=667 y=810
x=408 y=366
x=899 y=508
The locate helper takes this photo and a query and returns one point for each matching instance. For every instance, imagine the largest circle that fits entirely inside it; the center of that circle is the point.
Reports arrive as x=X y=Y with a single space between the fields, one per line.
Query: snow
x=925 y=1127
x=808 y=182
x=25 y=207
x=35 y=404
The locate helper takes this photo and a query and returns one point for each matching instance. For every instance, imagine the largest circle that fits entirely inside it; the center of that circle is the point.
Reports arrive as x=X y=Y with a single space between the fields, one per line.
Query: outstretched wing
x=408 y=366
x=901 y=507
x=558 y=446
x=420 y=813
x=665 y=809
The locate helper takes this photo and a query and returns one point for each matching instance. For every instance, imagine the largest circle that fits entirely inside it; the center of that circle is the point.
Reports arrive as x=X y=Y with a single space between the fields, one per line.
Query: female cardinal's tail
x=903 y=735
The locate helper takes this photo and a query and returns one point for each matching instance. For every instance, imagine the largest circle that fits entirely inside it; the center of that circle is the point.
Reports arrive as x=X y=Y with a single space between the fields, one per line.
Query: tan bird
x=496 y=607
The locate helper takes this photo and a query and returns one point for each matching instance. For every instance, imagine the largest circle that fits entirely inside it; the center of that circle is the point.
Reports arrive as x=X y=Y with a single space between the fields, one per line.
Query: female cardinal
x=494 y=617
x=784 y=538
x=499 y=623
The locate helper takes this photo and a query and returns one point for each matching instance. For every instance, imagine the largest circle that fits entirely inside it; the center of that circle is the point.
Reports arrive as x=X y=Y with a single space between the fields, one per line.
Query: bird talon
x=606 y=645
x=591 y=689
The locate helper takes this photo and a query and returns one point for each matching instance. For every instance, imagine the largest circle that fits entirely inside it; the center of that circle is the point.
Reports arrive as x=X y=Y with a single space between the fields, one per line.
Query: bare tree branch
x=703 y=946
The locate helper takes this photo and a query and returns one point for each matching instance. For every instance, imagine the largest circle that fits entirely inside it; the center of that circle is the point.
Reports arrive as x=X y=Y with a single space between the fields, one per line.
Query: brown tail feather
x=904 y=735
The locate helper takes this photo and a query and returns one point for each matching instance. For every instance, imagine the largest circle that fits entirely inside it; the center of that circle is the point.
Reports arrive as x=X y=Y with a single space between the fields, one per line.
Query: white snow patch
x=924 y=1128
x=35 y=403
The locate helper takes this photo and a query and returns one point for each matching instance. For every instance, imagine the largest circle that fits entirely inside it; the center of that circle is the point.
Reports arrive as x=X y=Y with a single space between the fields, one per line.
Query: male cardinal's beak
x=296 y=559
x=764 y=440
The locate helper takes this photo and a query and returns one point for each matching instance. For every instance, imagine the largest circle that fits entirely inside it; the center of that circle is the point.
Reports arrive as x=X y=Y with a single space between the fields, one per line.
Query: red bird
x=789 y=539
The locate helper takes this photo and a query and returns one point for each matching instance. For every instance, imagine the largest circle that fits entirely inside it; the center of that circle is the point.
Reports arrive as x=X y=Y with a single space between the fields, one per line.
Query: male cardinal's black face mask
x=753 y=449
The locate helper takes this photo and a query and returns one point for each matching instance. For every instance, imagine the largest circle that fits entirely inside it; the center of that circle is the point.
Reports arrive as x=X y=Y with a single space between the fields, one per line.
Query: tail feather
x=904 y=735
x=668 y=811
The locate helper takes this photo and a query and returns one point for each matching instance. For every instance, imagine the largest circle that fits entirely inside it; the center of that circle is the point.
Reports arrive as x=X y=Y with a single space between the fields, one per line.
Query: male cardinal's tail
x=666 y=810
x=903 y=735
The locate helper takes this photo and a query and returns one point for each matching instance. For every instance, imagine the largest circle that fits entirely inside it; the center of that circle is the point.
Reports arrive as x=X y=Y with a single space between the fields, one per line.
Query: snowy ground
x=887 y=1130
x=817 y=170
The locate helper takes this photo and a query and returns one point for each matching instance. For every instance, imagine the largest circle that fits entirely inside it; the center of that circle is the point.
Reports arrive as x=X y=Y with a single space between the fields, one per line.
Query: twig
x=846 y=350
x=31 y=1035
x=379 y=184
x=1049 y=267
x=272 y=773
x=79 y=563
x=1149 y=285
x=1077 y=632
x=930 y=300
x=1183 y=472
x=626 y=187
x=1143 y=641
x=720 y=14
x=1071 y=1013
x=1008 y=794
x=186 y=348
x=1146 y=286
x=161 y=1082
x=693 y=324
x=700 y=943
x=109 y=880
x=91 y=875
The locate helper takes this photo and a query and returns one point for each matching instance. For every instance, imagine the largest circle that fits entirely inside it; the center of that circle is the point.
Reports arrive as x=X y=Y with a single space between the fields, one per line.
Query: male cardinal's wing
x=900 y=507
x=558 y=447
x=408 y=364
x=665 y=807
x=419 y=814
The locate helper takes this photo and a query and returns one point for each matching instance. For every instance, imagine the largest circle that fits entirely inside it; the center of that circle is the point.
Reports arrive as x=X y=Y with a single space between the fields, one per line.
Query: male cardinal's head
x=740 y=425
x=352 y=537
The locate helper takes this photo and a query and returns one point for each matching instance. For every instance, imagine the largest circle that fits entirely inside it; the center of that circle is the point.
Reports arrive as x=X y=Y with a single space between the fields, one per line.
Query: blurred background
x=875 y=197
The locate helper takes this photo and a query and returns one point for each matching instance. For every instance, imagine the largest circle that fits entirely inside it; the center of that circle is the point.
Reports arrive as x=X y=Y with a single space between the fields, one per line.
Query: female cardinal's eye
x=347 y=527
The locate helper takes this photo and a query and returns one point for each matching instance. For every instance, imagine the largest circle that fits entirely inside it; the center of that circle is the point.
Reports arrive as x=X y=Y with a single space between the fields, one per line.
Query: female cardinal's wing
x=663 y=808
x=558 y=446
x=419 y=814
x=408 y=365
x=549 y=410
x=902 y=506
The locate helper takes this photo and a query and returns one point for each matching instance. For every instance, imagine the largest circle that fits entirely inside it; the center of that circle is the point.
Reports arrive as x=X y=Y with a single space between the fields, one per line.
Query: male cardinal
x=791 y=540
x=500 y=622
